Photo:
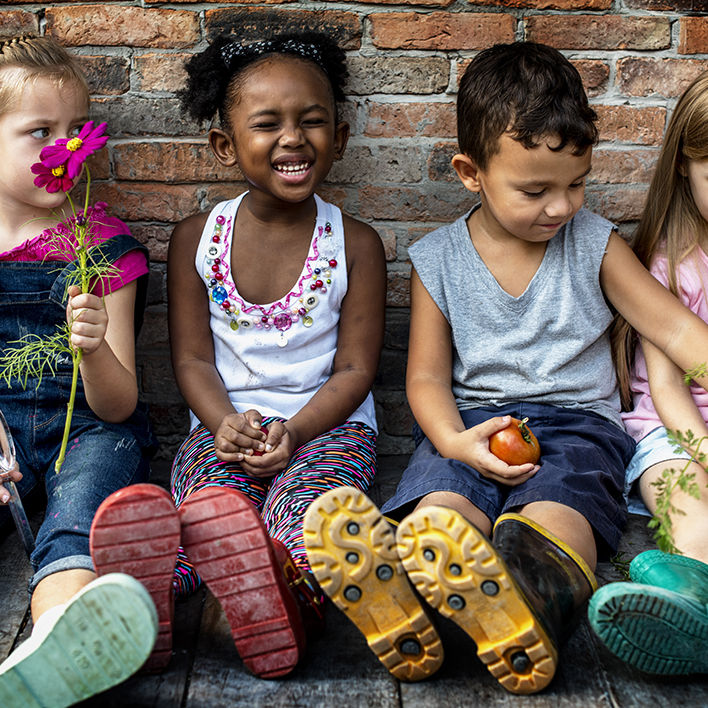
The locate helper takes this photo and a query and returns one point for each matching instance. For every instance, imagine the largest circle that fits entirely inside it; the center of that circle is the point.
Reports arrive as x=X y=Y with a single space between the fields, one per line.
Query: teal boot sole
x=652 y=629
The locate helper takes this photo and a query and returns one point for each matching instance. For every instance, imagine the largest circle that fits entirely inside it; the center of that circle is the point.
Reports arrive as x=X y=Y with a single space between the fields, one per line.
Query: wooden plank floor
x=339 y=670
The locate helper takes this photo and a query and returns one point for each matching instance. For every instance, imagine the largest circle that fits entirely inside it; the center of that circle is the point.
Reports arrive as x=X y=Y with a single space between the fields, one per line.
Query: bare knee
x=460 y=504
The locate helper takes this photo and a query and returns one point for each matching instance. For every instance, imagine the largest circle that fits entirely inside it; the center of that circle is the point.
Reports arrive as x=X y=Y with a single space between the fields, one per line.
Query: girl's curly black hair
x=211 y=87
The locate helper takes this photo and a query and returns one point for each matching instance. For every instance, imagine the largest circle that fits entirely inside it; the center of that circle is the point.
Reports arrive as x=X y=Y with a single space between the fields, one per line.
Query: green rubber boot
x=686 y=576
x=653 y=629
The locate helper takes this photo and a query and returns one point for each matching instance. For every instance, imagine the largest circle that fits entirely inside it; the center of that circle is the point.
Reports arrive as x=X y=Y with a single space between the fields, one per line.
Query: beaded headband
x=306 y=50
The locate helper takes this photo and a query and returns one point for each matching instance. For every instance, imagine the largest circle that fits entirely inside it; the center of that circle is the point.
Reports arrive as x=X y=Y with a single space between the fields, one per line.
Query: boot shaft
x=555 y=580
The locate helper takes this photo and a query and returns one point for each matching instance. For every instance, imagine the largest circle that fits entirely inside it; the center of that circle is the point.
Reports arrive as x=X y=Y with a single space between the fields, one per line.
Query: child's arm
x=652 y=310
x=429 y=390
x=103 y=328
x=192 y=350
x=359 y=342
x=671 y=396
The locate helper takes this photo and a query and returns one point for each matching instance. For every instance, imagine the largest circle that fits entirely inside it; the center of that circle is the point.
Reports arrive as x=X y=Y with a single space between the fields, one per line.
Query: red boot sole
x=136 y=531
x=224 y=537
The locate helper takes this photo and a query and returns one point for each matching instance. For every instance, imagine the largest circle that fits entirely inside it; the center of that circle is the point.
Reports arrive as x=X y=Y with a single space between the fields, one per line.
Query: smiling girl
x=276 y=311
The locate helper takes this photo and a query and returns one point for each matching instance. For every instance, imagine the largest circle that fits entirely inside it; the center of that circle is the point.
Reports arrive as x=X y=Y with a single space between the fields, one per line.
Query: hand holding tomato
x=515 y=444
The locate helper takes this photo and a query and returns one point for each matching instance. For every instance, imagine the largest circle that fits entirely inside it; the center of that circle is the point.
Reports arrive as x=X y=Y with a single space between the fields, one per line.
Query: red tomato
x=258 y=453
x=516 y=444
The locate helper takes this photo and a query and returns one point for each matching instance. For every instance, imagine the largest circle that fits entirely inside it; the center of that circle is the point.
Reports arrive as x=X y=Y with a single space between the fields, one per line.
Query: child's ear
x=467 y=171
x=223 y=147
x=341 y=138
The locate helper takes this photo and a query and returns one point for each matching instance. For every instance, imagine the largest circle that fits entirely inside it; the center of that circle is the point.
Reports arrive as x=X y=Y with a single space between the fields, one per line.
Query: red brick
x=174 y=161
x=155 y=237
x=14 y=22
x=402 y=75
x=254 y=24
x=623 y=166
x=398 y=289
x=669 y=78
x=401 y=120
x=222 y=2
x=547 y=4
x=99 y=164
x=439 y=162
x=106 y=75
x=380 y=163
x=599 y=31
x=118 y=25
x=388 y=239
x=670 y=5
x=436 y=202
x=594 y=73
x=644 y=126
x=693 y=35
x=149 y=201
x=618 y=204
x=159 y=72
x=440 y=31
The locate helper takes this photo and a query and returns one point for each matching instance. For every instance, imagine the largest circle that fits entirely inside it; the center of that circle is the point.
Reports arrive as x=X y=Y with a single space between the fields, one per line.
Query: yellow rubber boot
x=352 y=553
x=459 y=571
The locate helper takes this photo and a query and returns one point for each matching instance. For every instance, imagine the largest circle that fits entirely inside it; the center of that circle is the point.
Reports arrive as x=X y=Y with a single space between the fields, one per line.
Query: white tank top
x=274 y=357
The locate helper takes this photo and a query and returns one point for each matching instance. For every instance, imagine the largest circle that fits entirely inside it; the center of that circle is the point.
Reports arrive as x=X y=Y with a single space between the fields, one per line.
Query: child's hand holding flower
x=88 y=320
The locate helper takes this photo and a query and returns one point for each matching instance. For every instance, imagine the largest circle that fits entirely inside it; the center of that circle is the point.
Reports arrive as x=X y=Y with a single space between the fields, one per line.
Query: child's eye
x=40 y=133
x=75 y=131
x=577 y=185
x=533 y=194
x=314 y=121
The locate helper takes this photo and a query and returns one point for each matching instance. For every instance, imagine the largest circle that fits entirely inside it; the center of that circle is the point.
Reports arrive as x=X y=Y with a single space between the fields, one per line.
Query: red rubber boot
x=136 y=531
x=224 y=537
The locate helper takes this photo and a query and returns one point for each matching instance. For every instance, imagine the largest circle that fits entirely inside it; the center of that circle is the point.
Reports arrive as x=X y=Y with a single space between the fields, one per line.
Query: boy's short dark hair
x=529 y=90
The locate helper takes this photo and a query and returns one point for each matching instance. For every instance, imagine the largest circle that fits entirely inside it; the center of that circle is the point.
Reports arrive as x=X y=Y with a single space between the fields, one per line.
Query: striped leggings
x=343 y=456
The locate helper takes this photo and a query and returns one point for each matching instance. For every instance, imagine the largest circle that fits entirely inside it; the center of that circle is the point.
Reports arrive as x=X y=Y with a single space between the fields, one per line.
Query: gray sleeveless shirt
x=549 y=345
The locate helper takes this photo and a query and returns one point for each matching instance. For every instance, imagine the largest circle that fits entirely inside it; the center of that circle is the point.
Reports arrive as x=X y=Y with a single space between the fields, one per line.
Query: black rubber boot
x=516 y=596
x=555 y=580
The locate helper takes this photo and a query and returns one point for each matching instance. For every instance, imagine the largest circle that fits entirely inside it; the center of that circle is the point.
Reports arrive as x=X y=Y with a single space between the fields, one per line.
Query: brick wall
x=635 y=56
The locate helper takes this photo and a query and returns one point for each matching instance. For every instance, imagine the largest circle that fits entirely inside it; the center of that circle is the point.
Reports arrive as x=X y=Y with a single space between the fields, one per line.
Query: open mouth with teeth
x=294 y=169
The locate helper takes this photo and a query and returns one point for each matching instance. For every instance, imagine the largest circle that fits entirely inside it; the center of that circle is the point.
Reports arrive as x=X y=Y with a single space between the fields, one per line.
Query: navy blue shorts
x=583 y=462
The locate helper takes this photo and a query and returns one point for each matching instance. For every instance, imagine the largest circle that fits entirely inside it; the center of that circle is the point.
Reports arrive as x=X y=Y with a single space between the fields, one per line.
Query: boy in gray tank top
x=510 y=314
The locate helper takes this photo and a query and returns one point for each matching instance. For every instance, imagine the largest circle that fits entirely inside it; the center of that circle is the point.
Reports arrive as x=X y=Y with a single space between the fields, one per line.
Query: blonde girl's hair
x=670 y=223
x=39 y=57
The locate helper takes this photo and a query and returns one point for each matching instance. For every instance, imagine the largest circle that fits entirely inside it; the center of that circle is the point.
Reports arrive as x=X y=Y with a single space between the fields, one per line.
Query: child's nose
x=561 y=205
x=291 y=135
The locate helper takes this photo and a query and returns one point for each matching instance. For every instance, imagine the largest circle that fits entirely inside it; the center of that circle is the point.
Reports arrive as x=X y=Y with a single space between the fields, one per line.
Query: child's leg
x=690 y=528
x=460 y=504
x=100 y=459
x=196 y=467
x=567 y=524
x=344 y=456
x=58 y=588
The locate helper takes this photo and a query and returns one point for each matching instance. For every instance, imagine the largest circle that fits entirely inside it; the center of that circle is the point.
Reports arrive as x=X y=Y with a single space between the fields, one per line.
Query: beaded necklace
x=295 y=307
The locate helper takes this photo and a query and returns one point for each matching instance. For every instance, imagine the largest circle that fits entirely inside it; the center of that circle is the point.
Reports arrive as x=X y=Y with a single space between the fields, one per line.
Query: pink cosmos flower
x=73 y=152
x=52 y=179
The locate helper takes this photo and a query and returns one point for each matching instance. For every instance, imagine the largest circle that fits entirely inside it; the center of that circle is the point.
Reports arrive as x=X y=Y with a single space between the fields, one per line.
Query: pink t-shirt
x=692 y=276
x=131 y=265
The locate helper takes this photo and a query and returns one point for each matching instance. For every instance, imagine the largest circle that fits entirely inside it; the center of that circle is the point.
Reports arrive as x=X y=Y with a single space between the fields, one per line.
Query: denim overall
x=101 y=457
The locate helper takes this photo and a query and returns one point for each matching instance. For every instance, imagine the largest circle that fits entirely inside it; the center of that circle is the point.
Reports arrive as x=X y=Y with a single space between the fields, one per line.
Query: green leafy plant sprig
x=672 y=479
x=72 y=240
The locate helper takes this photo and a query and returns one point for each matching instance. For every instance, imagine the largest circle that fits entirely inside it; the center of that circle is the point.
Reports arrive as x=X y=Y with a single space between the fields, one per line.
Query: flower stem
x=76 y=354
